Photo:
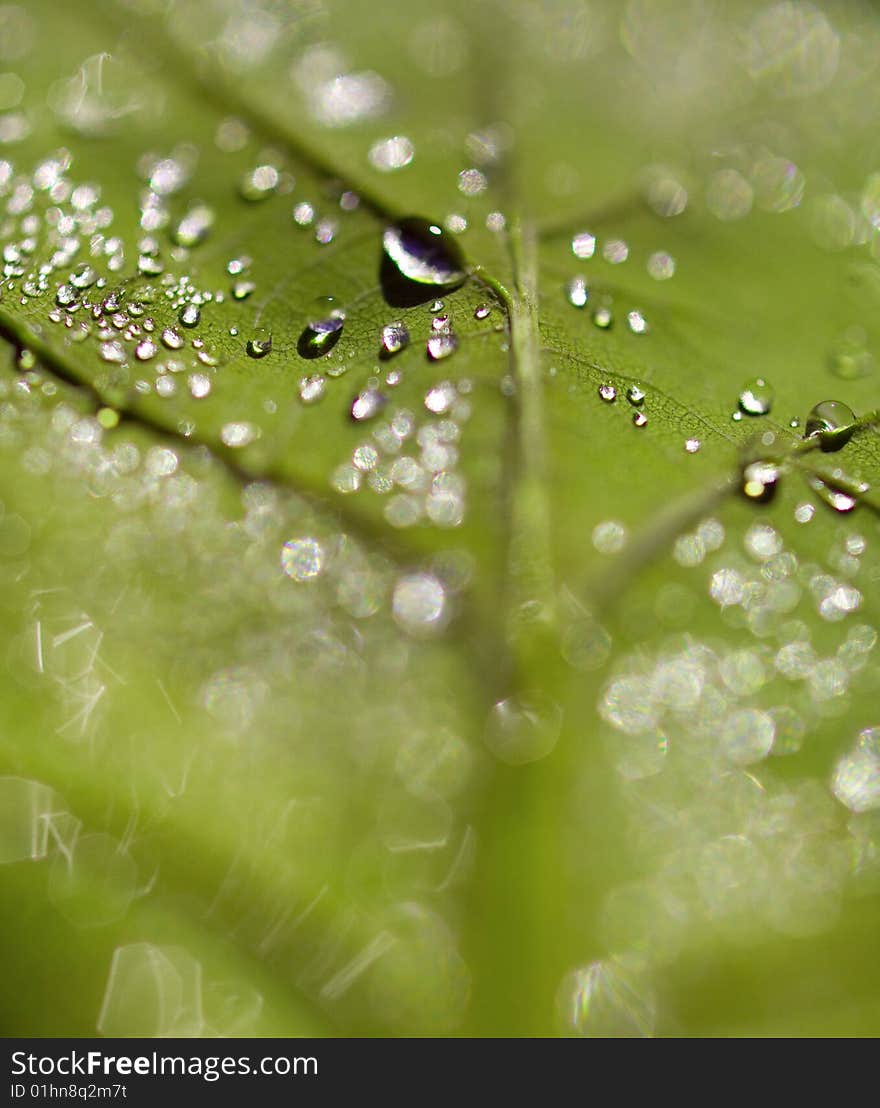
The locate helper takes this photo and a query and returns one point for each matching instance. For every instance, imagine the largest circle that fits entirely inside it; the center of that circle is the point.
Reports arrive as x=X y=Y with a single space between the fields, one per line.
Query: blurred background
x=349 y=689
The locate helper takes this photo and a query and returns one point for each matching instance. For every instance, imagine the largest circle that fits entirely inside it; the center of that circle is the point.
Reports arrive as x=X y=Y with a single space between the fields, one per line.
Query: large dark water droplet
x=320 y=336
x=418 y=258
x=834 y=422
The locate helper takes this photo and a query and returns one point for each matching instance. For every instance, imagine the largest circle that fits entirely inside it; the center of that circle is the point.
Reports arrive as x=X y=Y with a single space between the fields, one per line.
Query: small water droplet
x=172 y=339
x=639 y=419
x=190 y=315
x=395 y=336
x=833 y=421
x=850 y=358
x=482 y=311
x=66 y=296
x=608 y=393
x=837 y=491
x=241 y=290
x=303 y=214
x=311 y=389
x=603 y=318
x=258 y=183
x=523 y=729
x=756 y=397
x=149 y=266
x=637 y=323
x=424 y=253
x=441 y=345
x=759 y=481
x=83 y=277
x=583 y=245
x=635 y=394
x=692 y=446
x=199 y=385
x=441 y=397
x=145 y=350
x=320 y=336
x=576 y=292
x=259 y=344
x=195 y=226
x=238 y=434
x=112 y=352
x=661 y=266
x=367 y=404
x=392 y=153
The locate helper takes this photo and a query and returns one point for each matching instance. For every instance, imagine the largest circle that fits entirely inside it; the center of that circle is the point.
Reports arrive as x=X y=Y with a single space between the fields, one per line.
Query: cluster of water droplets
x=584 y=294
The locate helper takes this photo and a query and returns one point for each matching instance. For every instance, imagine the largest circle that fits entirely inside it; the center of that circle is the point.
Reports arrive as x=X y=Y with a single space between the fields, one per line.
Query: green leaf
x=382 y=692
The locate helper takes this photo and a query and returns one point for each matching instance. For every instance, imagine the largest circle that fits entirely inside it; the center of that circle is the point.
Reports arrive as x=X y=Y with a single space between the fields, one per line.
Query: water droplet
x=637 y=323
x=856 y=778
x=424 y=253
x=258 y=183
x=661 y=266
x=320 y=336
x=238 y=434
x=311 y=389
x=471 y=182
x=241 y=290
x=419 y=604
x=837 y=491
x=195 y=226
x=603 y=318
x=259 y=344
x=367 y=404
x=145 y=350
x=756 y=397
x=747 y=736
x=392 y=153
x=576 y=292
x=609 y=536
x=172 y=339
x=639 y=419
x=635 y=394
x=199 y=385
x=482 y=311
x=615 y=251
x=190 y=315
x=66 y=296
x=850 y=358
x=583 y=245
x=523 y=729
x=303 y=214
x=112 y=352
x=441 y=398
x=83 y=277
x=692 y=446
x=833 y=421
x=608 y=393
x=302 y=559
x=441 y=345
x=759 y=481
x=395 y=336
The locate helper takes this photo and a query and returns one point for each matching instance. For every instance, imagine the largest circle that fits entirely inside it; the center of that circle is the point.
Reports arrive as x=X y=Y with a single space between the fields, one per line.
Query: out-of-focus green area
x=462 y=679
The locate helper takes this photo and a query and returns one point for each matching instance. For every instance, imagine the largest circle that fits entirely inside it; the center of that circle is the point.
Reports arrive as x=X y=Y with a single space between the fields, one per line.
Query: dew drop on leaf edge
x=833 y=421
